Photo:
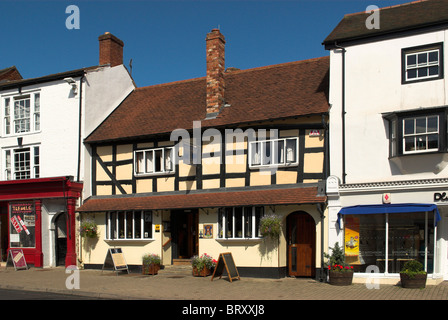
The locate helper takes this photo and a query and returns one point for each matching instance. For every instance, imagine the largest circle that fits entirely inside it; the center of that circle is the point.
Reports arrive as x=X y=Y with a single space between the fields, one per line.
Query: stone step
x=181 y=262
x=176 y=271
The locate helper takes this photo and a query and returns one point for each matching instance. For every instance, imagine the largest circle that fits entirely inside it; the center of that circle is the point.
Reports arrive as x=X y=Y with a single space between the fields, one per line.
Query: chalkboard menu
x=225 y=260
x=115 y=260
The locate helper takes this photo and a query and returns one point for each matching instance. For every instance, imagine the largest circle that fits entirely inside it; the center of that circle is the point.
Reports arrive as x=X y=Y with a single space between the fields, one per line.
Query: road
x=6 y=294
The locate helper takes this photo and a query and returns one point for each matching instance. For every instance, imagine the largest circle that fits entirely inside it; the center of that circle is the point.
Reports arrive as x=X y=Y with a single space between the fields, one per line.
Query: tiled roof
x=10 y=74
x=282 y=196
x=273 y=92
x=404 y=17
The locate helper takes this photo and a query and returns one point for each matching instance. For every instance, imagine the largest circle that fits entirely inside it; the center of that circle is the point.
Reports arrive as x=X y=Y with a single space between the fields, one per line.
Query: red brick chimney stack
x=111 y=50
x=215 y=44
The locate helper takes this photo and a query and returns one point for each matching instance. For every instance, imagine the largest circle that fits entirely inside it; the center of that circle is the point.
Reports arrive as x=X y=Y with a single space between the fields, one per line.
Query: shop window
x=410 y=236
x=22 y=218
x=239 y=222
x=154 y=161
x=274 y=152
x=129 y=225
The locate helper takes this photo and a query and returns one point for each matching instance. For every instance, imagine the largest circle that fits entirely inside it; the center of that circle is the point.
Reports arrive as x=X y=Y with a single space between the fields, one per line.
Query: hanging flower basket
x=271 y=226
x=88 y=229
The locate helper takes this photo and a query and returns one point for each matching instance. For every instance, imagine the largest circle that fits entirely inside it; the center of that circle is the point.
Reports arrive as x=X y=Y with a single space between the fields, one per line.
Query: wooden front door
x=184 y=233
x=301 y=245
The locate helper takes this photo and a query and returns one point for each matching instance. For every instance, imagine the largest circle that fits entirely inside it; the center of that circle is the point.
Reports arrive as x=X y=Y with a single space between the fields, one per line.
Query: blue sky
x=166 y=39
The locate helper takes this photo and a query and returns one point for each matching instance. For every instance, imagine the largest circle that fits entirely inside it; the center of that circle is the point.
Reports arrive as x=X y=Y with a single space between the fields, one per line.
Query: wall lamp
x=72 y=82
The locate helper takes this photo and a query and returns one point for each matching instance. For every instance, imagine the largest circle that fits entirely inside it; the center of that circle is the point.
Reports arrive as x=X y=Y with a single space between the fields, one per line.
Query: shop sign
x=386 y=198
x=440 y=196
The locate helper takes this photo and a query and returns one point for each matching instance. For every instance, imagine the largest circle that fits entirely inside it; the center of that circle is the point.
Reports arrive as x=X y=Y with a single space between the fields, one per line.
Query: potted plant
x=88 y=229
x=203 y=265
x=271 y=226
x=150 y=264
x=340 y=274
x=413 y=275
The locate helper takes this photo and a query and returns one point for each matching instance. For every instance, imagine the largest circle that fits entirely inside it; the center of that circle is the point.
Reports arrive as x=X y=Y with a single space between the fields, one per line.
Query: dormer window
x=422 y=63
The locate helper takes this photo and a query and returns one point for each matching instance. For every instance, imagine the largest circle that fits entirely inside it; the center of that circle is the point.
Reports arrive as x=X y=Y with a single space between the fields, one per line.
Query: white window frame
x=255 y=234
x=19 y=123
x=126 y=237
x=419 y=135
x=9 y=162
x=145 y=158
x=285 y=159
x=421 y=52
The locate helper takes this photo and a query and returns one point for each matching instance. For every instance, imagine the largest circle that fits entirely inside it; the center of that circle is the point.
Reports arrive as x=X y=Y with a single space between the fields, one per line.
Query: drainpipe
x=322 y=228
x=79 y=129
x=343 y=50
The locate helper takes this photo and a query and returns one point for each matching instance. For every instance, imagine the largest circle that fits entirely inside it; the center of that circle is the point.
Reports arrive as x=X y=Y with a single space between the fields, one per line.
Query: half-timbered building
x=192 y=167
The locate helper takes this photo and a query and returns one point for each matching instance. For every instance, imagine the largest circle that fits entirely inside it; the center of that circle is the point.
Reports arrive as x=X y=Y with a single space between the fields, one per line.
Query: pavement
x=177 y=283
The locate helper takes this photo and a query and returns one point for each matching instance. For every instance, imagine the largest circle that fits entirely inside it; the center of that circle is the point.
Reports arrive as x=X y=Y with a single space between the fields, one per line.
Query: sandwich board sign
x=115 y=260
x=17 y=259
x=226 y=260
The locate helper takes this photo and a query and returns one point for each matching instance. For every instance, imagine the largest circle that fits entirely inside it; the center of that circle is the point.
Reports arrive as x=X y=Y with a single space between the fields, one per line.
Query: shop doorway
x=184 y=233
x=301 y=244
x=60 y=224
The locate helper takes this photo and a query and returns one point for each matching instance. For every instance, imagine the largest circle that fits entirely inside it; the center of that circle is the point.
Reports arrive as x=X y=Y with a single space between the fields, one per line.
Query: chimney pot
x=111 y=50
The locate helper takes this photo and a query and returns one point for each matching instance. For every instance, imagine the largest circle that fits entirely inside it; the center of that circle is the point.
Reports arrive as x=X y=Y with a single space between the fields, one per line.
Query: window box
x=422 y=63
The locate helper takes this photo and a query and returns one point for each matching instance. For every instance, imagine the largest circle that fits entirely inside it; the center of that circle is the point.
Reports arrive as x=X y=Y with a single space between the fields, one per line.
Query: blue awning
x=390 y=208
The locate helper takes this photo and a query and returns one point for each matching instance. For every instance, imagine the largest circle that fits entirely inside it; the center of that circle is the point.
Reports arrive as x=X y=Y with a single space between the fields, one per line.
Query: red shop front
x=21 y=216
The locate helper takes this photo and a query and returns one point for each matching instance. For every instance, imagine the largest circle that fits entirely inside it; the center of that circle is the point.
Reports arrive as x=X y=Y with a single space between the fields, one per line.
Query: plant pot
x=150 y=268
x=203 y=273
x=416 y=282
x=341 y=278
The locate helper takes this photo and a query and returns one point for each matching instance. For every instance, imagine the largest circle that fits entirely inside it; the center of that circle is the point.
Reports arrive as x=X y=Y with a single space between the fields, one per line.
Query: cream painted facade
x=114 y=174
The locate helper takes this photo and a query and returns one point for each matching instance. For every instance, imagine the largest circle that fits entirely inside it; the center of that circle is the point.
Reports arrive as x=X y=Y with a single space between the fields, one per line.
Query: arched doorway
x=301 y=238
x=60 y=224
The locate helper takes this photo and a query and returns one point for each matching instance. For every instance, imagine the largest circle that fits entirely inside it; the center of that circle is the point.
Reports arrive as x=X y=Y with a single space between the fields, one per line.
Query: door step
x=181 y=262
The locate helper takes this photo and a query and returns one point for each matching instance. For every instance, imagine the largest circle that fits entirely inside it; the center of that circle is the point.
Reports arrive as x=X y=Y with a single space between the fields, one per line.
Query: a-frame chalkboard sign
x=226 y=260
x=17 y=259
x=115 y=260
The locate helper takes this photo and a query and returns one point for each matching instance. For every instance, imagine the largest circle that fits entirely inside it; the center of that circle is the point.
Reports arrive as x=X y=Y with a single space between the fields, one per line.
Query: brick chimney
x=111 y=50
x=215 y=44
